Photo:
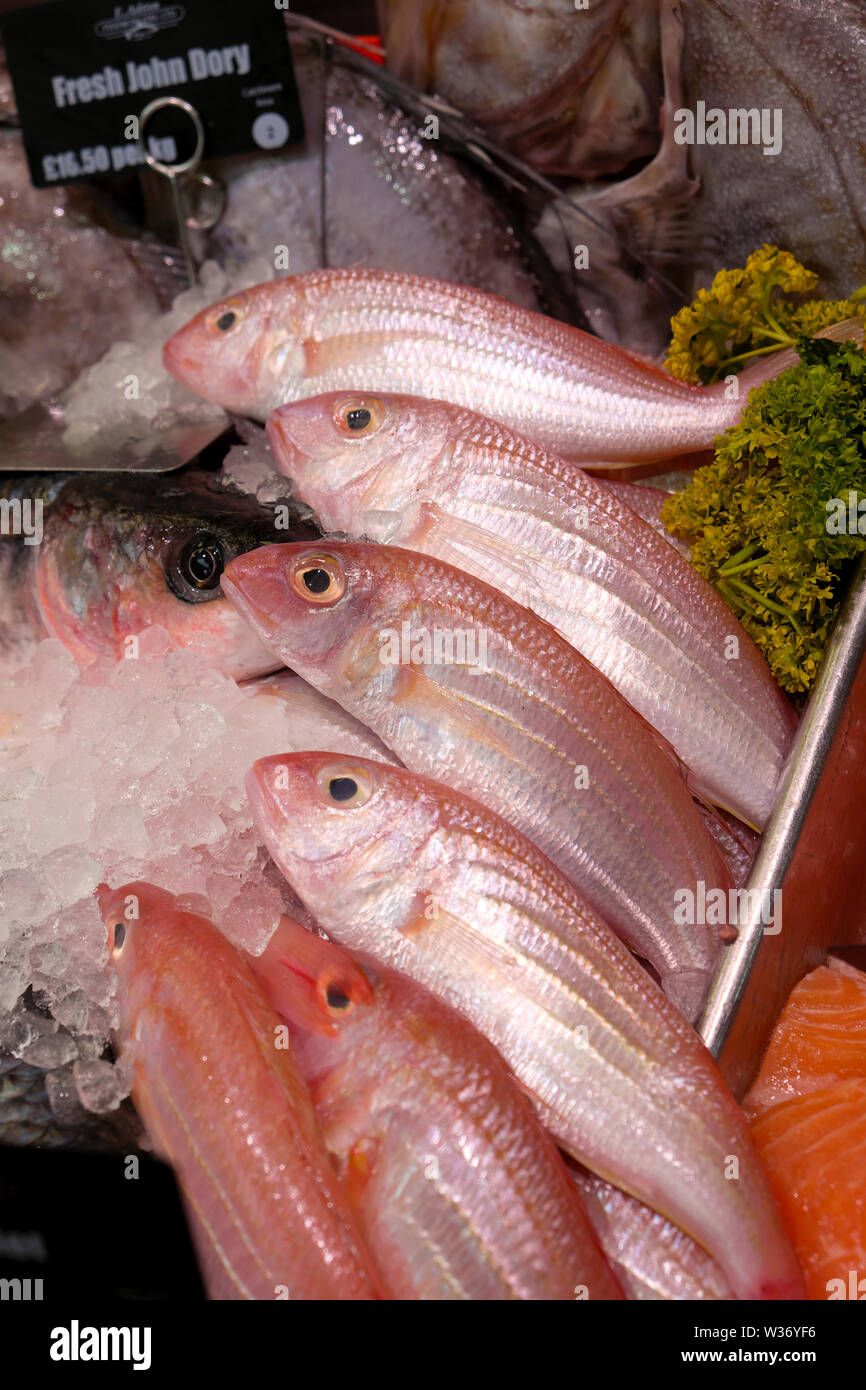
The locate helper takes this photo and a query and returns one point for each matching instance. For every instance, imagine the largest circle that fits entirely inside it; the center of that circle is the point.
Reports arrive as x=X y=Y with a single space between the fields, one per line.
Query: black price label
x=84 y=70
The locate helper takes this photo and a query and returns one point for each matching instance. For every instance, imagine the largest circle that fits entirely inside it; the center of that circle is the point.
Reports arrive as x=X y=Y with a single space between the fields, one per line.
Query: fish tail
x=768 y=368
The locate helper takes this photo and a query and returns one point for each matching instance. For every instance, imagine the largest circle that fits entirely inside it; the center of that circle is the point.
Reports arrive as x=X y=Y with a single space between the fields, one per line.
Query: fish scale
x=458 y=486
x=379 y=330
x=460 y=1191
x=519 y=732
x=228 y=1109
x=429 y=882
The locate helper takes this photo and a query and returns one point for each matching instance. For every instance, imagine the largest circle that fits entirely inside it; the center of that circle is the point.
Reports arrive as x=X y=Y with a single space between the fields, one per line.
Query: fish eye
x=345 y=785
x=359 y=415
x=118 y=936
x=194 y=572
x=228 y=315
x=319 y=579
x=337 y=996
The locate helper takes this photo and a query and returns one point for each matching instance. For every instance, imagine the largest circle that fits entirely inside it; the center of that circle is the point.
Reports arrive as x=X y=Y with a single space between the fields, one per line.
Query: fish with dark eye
x=118 y=554
x=517 y=717
x=460 y=1192
x=433 y=884
x=228 y=1108
x=378 y=330
x=430 y=477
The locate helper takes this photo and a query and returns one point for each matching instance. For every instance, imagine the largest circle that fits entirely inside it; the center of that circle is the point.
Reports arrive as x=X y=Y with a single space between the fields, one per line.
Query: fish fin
x=162 y=265
x=341 y=350
x=455 y=537
x=442 y=705
x=360 y=1168
x=463 y=945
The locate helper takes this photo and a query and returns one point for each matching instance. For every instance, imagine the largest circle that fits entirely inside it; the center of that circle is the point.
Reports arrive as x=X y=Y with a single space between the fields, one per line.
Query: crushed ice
x=129 y=769
x=129 y=391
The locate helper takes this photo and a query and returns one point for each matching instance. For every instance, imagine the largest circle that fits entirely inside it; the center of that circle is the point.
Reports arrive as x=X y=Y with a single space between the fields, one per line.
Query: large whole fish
x=460 y=1193
x=453 y=484
x=373 y=330
x=229 y=1109
x=432 y=883
x=99 y=558
x=467 y=686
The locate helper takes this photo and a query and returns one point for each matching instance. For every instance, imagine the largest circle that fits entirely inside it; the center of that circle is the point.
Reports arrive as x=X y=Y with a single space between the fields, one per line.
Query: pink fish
x=228 y=1108
x=460 y=1192
x=428 y=476
x=429 y=882
x=526 y=724
x=378 y=330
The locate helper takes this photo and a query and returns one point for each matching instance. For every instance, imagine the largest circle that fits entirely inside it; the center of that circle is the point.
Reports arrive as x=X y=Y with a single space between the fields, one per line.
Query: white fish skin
x=431 y=883
x=317 y=722
x=526 y=723
x=653 y=1258
x=455 y=485
x=378 y=330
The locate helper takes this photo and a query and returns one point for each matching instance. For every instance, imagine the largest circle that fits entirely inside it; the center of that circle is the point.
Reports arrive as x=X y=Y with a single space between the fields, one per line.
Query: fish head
x=360 y=460
x=319 y=606
x=136 y=916
x=352 y=839
x=122 y=555
x=311 y=982
x=245 y=350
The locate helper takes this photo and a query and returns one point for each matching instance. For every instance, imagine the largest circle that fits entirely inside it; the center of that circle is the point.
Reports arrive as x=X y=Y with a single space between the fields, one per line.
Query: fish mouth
x=284 y=447
x=256 y=592
x=184 y=367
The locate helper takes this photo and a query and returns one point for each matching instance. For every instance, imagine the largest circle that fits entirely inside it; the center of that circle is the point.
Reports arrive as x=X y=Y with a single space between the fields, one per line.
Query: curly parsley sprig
x=744 y=315
x=770 y=520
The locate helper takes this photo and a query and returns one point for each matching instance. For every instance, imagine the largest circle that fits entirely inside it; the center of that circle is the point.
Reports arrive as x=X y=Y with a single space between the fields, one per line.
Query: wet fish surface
x=455 y=485
x=374 y=330
x=575 y=92
x=228 y=1109
x=517 y=717
x=431 y=883
x=653 y=1258
x=460 y=1192
x=118 y=554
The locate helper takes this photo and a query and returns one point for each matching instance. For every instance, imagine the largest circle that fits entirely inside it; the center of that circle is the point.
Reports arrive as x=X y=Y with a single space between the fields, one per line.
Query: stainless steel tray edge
x=759 y=969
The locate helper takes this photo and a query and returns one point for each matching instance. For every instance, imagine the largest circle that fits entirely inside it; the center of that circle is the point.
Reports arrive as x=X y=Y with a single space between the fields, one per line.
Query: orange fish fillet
x=809 y=1124
x=814 y=1152
x=820 y=1038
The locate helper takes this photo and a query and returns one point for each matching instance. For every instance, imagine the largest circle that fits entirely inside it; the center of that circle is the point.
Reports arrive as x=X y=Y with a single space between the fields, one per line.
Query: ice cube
x=54 y=1050
x=100 y=1087
x=63 y=1096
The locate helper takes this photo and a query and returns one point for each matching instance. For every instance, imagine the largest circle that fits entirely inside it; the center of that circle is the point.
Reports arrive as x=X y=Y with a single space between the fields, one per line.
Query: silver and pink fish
x=652 y=1257
x=456 y=485
x=459 y=1191
x=466 y=686
x=431 y=883
x=378 y=330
